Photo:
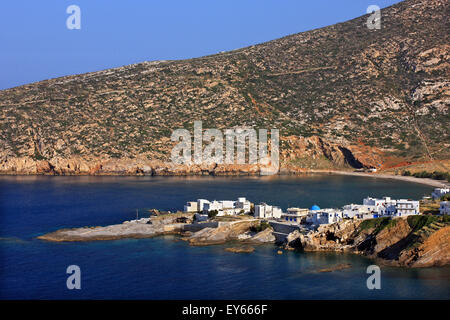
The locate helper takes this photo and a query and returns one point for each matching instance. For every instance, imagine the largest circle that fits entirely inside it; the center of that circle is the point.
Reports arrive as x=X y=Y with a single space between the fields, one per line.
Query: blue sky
x=35 y=43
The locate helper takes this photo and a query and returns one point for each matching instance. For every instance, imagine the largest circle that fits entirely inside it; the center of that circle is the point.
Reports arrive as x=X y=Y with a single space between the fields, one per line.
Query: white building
x=243 y=205
x=406 y=208
x=439 y=192
x=191 y=207
x=444 y=207
x=295 y=215
x=201 y=204
x=381 y=206
x=359 y=211
x=327 y=216
x=223 y=207
x=263 y=210
x=391 y=207
x=213 y=205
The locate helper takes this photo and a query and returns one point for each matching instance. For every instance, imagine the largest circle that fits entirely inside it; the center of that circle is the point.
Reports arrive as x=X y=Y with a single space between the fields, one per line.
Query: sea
x=168 y=268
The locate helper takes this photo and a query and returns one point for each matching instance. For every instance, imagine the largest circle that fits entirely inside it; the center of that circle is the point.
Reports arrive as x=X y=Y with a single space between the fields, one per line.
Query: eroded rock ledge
x=416 y=241
x=223 y=232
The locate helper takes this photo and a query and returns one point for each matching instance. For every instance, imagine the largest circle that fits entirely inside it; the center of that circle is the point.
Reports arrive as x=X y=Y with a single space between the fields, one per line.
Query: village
x=205 y=210
x=348 y=229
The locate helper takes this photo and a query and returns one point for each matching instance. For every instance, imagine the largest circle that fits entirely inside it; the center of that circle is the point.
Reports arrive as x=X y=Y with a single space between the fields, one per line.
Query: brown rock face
x=434 y=252
x=301 y=155
x=397 y=244
x=221 y=234
x=317 y=153
x=390 y=236
x=44 y=167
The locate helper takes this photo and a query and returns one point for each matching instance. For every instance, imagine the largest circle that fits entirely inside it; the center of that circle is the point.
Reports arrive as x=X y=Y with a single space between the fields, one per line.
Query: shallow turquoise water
x=166 y=268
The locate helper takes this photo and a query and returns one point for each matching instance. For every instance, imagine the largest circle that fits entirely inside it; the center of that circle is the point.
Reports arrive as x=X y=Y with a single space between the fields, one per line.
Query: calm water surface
x=167 y=268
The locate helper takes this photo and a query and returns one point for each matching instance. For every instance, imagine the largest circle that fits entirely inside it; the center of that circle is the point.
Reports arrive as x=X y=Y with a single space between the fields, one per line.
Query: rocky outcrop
x=435 y=251
x=142 y=228
x=393 y=242
x=300 y=156
x=338 y=267
x=265 y=236
x=240 y=249
x=228 y=231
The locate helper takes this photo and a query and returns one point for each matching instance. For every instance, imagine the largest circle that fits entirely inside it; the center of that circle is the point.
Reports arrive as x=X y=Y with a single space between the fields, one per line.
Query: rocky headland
x=141 y=228
x=415 y=241
x=208 y=233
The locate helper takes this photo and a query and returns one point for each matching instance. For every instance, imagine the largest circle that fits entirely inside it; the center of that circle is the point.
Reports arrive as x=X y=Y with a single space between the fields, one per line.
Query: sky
x=35 y=43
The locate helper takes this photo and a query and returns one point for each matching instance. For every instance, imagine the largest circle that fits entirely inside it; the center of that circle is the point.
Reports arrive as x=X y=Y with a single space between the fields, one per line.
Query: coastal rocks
x=334 y=237
x=299 y=155
x=223 y=233
x=434 y=252
x=240 y=249
x=44 y=167
x=390 y=236
x=315 y=152
x=128 y=229
x=142 y=228
x=338 y=267
x=394 y=243
x=294 y=241
x=265 y=236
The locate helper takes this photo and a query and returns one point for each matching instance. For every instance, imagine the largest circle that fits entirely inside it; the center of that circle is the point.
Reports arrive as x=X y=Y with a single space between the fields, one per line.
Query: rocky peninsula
x=196 y=234
x=415 y=241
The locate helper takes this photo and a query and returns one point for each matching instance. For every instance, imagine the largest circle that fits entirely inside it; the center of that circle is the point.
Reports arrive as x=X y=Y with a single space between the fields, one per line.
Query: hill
x=342 y=96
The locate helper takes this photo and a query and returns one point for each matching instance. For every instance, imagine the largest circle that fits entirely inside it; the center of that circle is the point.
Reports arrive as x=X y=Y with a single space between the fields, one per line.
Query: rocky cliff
x=342 y=96
x=416 y=241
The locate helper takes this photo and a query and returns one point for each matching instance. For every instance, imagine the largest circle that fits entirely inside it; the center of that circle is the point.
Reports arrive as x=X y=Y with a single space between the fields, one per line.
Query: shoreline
x=416 y=249
x=424 y=181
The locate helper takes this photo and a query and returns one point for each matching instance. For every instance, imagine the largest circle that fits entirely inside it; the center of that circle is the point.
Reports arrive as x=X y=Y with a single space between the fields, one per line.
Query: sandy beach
x=426 y=181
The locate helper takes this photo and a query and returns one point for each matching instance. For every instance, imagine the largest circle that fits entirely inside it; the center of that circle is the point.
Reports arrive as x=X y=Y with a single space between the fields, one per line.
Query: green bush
x=420 y=221
x=436 y=175
x=378 y=224
x=212 y=213
x=262 y=226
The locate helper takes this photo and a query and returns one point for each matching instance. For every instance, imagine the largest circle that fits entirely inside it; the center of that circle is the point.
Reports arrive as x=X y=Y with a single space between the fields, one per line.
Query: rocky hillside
x=342 y=96
x=415 y=241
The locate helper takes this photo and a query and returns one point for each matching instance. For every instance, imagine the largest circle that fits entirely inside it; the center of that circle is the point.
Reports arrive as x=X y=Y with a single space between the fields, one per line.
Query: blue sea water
x=168 y=268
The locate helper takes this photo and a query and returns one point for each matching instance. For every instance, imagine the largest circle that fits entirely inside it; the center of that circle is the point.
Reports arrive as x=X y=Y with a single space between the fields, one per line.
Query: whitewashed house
x=388 y=209
x=384 y=206
x=444 y=208
x=327 y=216
x=391 y=207
x=406 y=207
x=191 y=207
x=212 y=206
x=264 y=210
x=295 y=215
x=359 y=211
x=201 y=204
x=243 y=205
x=224 y=207
x=439 y=192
